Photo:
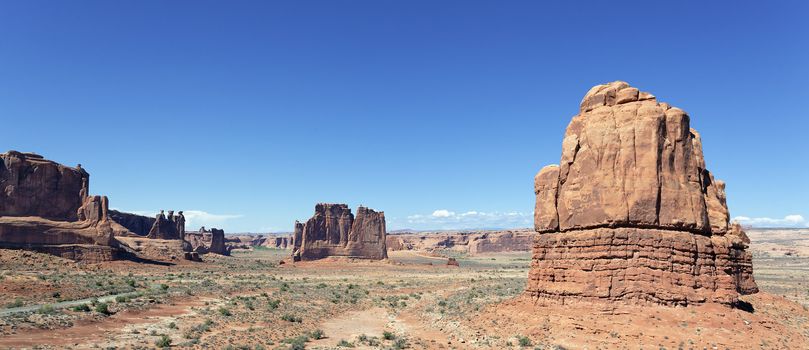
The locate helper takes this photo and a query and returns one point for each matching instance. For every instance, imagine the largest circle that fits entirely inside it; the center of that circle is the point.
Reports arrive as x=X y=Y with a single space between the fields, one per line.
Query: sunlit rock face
x=631 y=212
x=334 y=231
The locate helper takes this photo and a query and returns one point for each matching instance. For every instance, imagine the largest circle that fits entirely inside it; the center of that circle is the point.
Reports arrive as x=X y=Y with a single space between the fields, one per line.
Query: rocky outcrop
x=137 y=224
x=297 y=237
x=207 y=241
x=334 y=231
x=632 y=213
x=470 y=242
x=33 y=186
x=168 y=227
x=44 y=206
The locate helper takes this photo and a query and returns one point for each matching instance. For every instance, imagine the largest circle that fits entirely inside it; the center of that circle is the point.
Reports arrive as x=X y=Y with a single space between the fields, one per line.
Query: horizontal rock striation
x=631 y=213
x=334 y=231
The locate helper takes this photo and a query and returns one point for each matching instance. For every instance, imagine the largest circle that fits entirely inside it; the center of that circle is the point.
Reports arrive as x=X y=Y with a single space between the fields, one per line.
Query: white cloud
x=444 y=219
x=792 y=220
x=195 y=218
x=443 y=213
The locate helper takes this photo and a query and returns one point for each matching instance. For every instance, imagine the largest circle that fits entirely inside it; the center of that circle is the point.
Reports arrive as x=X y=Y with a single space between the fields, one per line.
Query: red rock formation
x=168 y=227
x=207 y=241
x=45 y=207
x=33 y=186
x=631 y=213
x=334 y=231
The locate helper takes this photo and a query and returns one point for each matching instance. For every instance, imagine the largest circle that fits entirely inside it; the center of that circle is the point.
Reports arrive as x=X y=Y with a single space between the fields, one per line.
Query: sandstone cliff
x=44 y=206
x=632 y=213
x=34 y=186
x=334 y=231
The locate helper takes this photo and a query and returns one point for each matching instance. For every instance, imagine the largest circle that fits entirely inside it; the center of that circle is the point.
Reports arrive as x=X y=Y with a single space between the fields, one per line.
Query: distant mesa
x=469 y=242
x=334 y=231
x=631 y=213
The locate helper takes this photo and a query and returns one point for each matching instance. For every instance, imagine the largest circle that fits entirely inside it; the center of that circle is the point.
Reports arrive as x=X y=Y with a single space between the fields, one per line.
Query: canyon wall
x=471 y=242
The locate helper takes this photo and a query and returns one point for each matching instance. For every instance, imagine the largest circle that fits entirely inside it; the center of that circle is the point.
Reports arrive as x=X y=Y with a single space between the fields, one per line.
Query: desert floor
x=413 y=300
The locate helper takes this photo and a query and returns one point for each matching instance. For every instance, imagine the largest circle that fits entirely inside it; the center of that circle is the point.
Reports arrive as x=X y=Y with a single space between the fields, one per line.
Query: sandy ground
x=413 y=300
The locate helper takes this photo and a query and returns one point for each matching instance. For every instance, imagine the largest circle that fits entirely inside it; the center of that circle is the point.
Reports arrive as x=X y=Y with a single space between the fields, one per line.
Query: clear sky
x=246 y=114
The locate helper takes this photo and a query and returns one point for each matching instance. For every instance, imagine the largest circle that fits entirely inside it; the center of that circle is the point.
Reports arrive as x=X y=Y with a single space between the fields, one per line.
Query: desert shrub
x=16 y=303
x=46 y=310
x=102 y=308
x=121 y=299
x=164 y=287
x=345 y=344
x=81 y=308
x=225 y=311
x=172 y=325
x=316 y=334
x=291 y=318
x=273 y=304
x=297 y=343
x=400 y=343
x=523 y=340
x=388 y=335
x=163 y=342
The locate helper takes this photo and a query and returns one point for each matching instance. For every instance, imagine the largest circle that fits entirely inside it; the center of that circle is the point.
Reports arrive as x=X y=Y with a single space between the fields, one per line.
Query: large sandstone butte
x=631 y=213
x=334 y=231
x=45 y=206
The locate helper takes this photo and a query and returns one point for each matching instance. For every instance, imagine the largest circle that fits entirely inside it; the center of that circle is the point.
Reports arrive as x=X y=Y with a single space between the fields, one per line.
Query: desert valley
x=633 y=247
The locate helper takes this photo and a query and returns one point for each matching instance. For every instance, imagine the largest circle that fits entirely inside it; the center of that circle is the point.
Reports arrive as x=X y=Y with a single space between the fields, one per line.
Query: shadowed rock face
x=632 y=213
x=138 y=224
x=33 y=186
x=334 y=231
x=168 y=227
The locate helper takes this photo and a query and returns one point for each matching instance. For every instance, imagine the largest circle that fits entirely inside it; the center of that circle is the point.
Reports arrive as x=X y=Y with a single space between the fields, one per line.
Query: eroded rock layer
x=334 y=231
x=632 y=213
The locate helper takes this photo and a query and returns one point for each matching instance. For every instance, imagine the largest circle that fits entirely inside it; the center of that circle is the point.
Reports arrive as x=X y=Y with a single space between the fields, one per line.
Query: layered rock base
x=640 y=265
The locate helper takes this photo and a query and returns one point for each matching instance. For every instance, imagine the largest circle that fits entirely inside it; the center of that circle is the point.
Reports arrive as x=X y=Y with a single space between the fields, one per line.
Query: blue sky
x=439 y=113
